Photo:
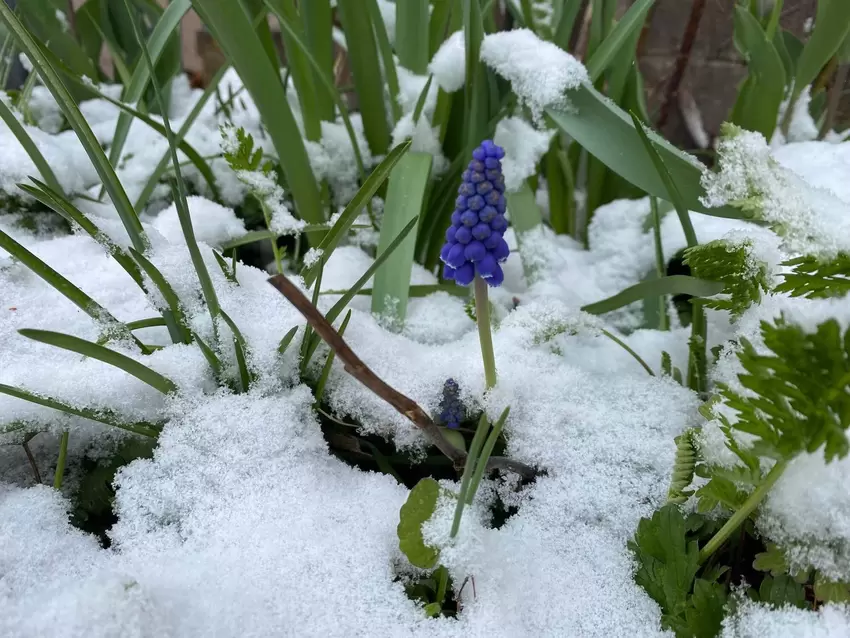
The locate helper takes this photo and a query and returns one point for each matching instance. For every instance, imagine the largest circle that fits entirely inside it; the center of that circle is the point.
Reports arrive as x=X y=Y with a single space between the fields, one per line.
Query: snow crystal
x=312 y=256
x=539 y=72
x=524 y=146
x=213 y=223
x=811 y=220
x=807 y=513
x=425 y=139
x=753 y=620
x=448 y=66
x=25 y=62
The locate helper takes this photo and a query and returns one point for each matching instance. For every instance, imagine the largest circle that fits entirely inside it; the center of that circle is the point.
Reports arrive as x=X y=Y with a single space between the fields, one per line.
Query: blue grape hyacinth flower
x=452 y=412
x=474 y=242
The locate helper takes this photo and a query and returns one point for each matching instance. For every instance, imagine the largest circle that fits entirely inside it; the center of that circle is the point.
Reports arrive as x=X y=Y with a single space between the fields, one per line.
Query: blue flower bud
x=474 y=242
x=452 y=410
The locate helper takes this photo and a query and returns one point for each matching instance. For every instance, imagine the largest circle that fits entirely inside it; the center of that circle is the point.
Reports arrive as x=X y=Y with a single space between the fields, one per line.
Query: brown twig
x=834 y=99
x=682 y=59
x=31 y=458
x=360 y=371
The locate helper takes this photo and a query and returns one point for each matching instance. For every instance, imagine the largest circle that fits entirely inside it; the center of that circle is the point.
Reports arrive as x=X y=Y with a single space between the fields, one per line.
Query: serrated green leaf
x=827 y=591
x=417 y=509
x=782 y=590
x=815 y=279
x=773 y=561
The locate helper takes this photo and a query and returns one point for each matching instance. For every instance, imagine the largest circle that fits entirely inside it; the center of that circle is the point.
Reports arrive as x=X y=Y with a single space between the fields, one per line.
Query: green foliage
x=417 y=509
x=744 y=277
x=816 y=279
x=800 y=400
x=781 y=590
x=683 y=469
x=668 y=562
x=241 y=155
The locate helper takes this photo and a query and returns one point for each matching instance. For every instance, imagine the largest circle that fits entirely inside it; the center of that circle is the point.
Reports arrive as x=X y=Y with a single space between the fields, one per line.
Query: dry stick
x=31 y=458
x=682 y=59
x=834 y=99
x=360 y=371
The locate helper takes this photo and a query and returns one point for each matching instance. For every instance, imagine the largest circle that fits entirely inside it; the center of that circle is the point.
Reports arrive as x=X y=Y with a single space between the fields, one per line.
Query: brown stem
x=682 y=59
x=31 y=459
x=360 y=371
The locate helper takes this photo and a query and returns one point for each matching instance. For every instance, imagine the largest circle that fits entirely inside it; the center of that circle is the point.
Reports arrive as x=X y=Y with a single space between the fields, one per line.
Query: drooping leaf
x=417 y=509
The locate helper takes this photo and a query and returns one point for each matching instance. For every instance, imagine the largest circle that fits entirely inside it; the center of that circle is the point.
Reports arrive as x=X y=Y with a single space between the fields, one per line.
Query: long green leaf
x=525 y=216
x=29 y=146
x=672 y=285
x=382 y=39
x=340 y=305
x=673 y=194
x=831 y=28
x=75 y=118
x=405 y=199
x=476 y=91
x=566 y=22
x=317 y=19
x=57 y=281
x=608 y=133
x=179 y=190
x=61 y=205
x=349 y=214
x=759 y=103
x=241 y=348
x=287 y=339
x=421 y=290
x=232 y=27
x=630 y=23
x=175 y=318
x=101 y=416
x=140 y=79
x=368 y=83
x=89 y=349
x=411 y=35
x=326 y=369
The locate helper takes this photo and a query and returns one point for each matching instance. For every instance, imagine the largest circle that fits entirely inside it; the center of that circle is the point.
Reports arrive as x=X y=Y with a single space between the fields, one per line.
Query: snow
x=539 y=72
x=213 y=223
x=761 y=621
x=524 y=146
x=448 y=66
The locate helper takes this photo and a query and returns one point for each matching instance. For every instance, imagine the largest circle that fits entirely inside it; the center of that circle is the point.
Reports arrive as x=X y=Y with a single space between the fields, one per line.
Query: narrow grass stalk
x=742 y=514
x=484 y=456
x=60 y=462
x=386 y=51
x=626 y=347
x=412 y=35
x=482 y=315
x=660 y=266
x=697 y=347
x=326 y=370
x=179 y=191
x=317 y=21
x=29 y=146
x=468 y=469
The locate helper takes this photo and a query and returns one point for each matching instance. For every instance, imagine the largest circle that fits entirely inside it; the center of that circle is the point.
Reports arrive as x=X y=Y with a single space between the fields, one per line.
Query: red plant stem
x=682 y=59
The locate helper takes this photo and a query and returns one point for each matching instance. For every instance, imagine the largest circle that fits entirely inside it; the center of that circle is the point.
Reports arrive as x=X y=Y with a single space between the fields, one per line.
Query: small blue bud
x=483 y=188
x=460 y=202
x=476 y=178
x=475 y=202
x=450 y=234
x=481 y=231
x=476 y=167
x=499 y=223
x=475 y=251
x=444 y=252
x=493 y=240
x=479 y=153
x=455 y=257
x=463 y=235
x=492 y=197
x=448 y=272
x=487 y=214
x=469 y=218
x=467 y=189
x=456 y=218
x=487 y=266
x=492 y=163
x=465 y=274
x=497 y=277
x=501 y=206
x=501 y=251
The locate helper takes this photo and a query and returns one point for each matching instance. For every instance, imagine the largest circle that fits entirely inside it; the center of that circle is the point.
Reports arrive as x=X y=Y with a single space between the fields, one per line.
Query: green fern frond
x=744 y=276
x=815 y=279
x=683 y=468
x=238 y=150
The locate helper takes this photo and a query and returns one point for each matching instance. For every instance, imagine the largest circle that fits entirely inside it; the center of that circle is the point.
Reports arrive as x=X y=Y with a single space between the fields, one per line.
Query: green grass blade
x=57 y=281
x=209 y=355
x=227 y=271
x=77 y=122
x=368 y=82
x=439 y=26
x=352 y=210
x=476 y=91
x=673 y=194
x=326 y=82
x=177 y=324
x=608 y=133
x=94 y=351
x=630 y=23
x=326 y=369
x=299 y=69
x=241 y=348
x=672 y=285
x=340 y=305
x=317 y=21
x=525 y=216
x=29 y=146
x=423 y=97
x=566 y=22
x=411 y=35
x=61 y=205
x=405 y=199
x=139 y=81
x=760 y=101
x=386 y=51
x=153 y=179
x=101 y=416
x=232 y=27
x=307 y=341
x=179 y=190
x=287 y=339
x=419 y=290
x=484 y=455
x=831 y=28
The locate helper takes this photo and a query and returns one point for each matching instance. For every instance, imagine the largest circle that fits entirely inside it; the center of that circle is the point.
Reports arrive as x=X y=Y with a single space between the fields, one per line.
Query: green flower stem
x=482 y=315
x=741 y=515
x=60 y=464
x=275 y=250
x=486 y=451
x=471 y=458
x=442 y=584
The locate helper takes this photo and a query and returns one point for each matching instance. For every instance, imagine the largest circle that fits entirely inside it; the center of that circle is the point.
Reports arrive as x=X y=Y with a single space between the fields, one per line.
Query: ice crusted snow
x=539 y=71
x=448 y=66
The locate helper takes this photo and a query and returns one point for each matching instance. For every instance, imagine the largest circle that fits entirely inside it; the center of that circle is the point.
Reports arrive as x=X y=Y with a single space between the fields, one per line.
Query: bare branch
x=360 y=371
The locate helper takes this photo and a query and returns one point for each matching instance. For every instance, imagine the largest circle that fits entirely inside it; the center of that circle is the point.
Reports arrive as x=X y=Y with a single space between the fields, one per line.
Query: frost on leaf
x=419 y=507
